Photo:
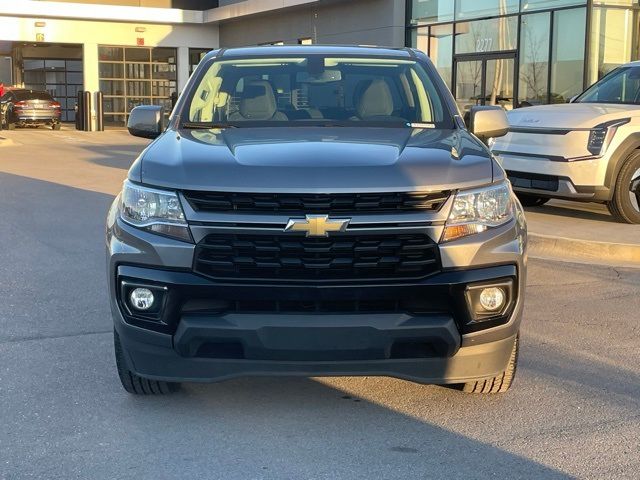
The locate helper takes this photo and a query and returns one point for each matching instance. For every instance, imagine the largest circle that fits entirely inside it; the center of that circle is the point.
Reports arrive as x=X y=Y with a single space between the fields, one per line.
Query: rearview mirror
x=146 y=121
x=326 y=76
x=487 y=122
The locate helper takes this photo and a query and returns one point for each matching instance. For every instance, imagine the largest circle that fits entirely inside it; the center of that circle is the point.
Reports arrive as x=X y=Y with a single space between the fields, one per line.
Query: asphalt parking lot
x=574 y=410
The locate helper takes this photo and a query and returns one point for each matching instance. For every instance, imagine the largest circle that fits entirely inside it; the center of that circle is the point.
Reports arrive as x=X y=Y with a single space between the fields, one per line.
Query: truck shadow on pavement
x=113 y=156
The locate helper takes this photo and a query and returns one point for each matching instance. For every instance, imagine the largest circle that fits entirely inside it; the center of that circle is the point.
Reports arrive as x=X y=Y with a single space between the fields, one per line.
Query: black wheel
x=500 y=383
x=56 y=126
x=136 y=384
x=528 y=200
x=625 y=204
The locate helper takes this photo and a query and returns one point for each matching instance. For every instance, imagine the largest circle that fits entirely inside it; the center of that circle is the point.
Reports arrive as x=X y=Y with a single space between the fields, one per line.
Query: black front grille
x=295 y=257
x=291 y=203
x=413 y=306
x=535 y=181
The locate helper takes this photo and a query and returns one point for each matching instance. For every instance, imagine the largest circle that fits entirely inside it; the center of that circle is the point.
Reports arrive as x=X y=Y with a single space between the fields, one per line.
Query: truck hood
x=314 y=160
x=570 y=115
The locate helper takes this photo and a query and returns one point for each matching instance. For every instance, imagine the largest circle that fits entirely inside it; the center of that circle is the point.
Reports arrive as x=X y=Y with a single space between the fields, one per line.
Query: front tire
x=135 y=384
x=500 y=383
x=528 y=200
x=625 y=204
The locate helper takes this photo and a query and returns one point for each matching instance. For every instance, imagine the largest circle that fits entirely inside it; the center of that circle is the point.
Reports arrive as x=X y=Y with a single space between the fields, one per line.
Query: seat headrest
x=373 y=98
x=258 y=101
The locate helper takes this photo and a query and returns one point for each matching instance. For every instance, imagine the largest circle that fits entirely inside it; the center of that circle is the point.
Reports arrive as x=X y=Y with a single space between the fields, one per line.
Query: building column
x=183 y=68
x=91 y=76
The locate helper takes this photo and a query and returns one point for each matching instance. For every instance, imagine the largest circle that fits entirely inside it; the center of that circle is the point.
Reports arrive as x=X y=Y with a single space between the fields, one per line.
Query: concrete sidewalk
x=582 y=232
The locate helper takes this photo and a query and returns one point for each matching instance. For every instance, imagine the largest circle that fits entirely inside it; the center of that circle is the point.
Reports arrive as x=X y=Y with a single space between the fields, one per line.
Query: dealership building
x=510 y=52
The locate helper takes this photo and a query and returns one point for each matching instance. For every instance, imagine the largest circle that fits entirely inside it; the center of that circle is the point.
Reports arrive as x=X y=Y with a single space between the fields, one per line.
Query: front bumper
x=433 y=343
x=557 y=178
x=195 y=344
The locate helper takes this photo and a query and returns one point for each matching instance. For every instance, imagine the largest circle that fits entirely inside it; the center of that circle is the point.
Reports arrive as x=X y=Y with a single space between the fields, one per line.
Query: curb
x=585 y=251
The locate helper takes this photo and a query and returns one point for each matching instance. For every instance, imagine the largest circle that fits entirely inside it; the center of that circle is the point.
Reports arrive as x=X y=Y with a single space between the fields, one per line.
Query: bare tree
x=533 y=73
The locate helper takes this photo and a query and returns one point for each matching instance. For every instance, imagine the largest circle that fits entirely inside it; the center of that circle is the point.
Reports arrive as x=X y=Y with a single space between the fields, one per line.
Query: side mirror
x=146 y=121
x=487 y=122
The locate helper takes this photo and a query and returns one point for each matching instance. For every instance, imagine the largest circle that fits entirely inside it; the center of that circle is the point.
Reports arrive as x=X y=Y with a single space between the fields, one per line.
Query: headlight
x=601 y=135
x=154 y=210
x=475 y=211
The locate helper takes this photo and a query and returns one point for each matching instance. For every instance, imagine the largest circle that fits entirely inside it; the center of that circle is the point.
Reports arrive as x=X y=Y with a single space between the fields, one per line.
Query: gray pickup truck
x=316 y=210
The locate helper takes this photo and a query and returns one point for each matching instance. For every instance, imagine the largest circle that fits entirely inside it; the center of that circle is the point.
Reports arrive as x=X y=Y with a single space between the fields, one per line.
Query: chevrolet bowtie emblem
x=317 y=225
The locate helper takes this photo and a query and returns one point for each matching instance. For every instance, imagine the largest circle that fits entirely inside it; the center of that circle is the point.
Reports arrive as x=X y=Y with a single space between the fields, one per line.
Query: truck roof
x=274 y=50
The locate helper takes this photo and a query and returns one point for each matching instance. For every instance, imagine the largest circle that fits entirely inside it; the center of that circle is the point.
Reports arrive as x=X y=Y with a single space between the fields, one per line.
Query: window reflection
x=484 y=8
x=483 y=36
x=468 y=84
x=534 y=59
x=529 y=5
x=567 y=60
x=611 y=40
x=432 y=11
x=441 y=50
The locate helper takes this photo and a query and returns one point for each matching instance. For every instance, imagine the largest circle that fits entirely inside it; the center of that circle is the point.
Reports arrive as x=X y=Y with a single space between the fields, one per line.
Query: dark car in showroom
x=23 y=107
x=316 y=210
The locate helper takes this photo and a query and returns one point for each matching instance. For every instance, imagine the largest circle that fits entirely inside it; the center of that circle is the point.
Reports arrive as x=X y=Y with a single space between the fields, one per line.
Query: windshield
x=28 y=95
x=317 y=90
x=620 y=86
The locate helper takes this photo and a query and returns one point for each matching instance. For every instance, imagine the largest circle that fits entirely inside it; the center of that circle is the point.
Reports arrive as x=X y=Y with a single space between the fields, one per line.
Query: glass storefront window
x=112 y=87
x=110 y=54
x=530 y=5
x=131 y=76
x=139 y=89
x=62 y=78
x=622 y=3
x=611 y=40
x=437 y=42
x=491 y=35
x=431 y=11
x=567 y=59
x=534 y=59
x=164 y=71
x=74 y=65
x=114 y=105
x=137 y=54
x=165 y=55
x=111 y=70
x=466 y=9
x=420 y=39
x=195 y=55
x=137 y=70
x=468 y=89
x=33 y=64
x=441 y=50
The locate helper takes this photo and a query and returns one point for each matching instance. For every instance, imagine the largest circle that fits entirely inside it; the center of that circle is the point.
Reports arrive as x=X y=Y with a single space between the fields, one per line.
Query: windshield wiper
x=207 y=125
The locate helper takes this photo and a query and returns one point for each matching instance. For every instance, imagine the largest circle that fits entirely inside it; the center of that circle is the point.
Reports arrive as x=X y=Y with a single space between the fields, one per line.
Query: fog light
x=141 y=299
x=492 y=299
